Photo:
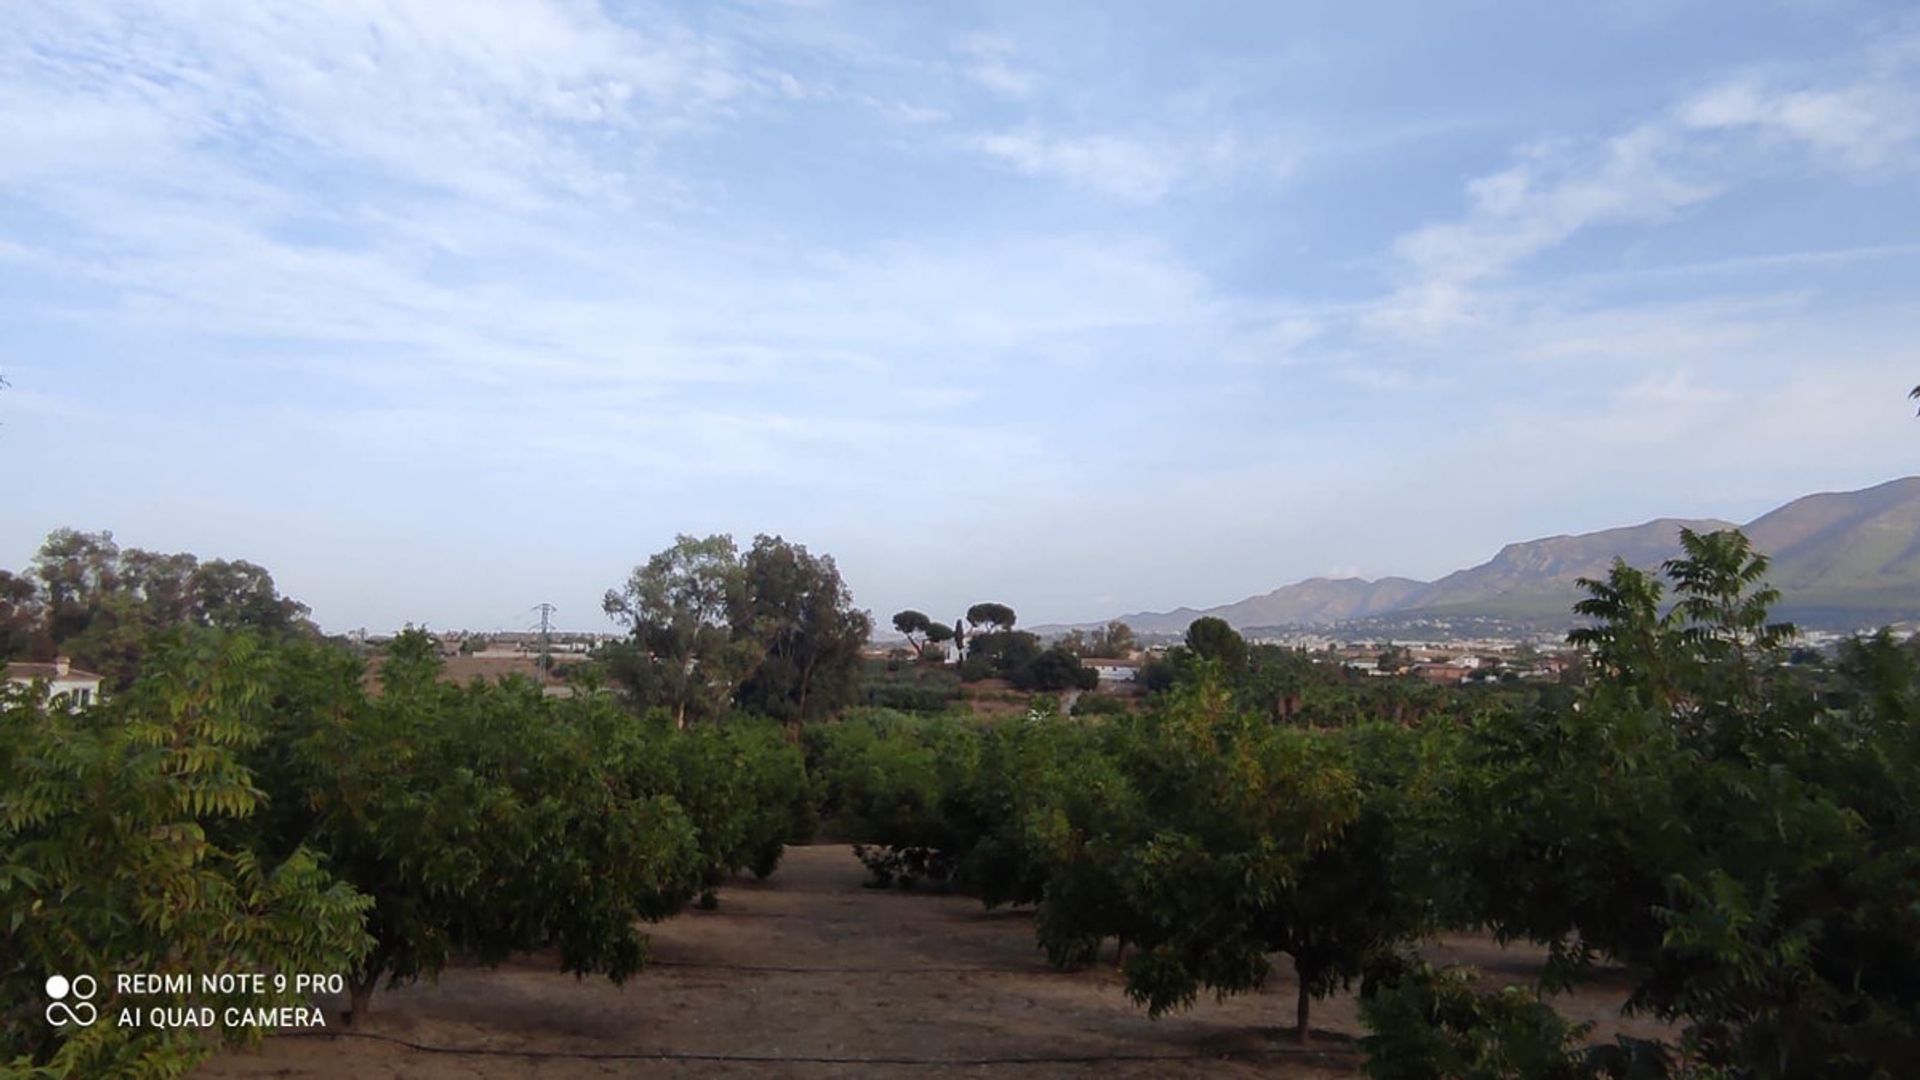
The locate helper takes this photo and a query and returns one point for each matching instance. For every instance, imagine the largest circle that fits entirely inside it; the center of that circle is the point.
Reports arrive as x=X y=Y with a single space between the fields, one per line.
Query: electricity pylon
x=546 y=638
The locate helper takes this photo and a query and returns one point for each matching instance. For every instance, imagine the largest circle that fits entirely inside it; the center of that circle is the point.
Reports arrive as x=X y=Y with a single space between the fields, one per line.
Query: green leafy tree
x=22 y=620
x=1203 y=888
x=90 y=615
x=996 y=617
x=115 y=857
x=938 y=634
x=1003 y=654
x=1372 y=887
x=796 y=616
x=76 y=572
x=232 y=595
x=774 y=632
x=1210 y=638
x=163 y=585
x=1040 y=791
x=890 y=781
x=1056 y=668
x=1631 y=643
x=743 y=786
x=682 y=653
x=482 y=820
x=1725 y=603
x=1279 y=682
x=102 y=602
x=1161 y=673
x=1116 y=639
x=1749 y=854
x=1113 y=639
x=911 y=622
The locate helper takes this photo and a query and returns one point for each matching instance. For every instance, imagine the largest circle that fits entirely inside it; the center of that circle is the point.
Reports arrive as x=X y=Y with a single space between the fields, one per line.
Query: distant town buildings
x=1448 y=663
x=1114 y=669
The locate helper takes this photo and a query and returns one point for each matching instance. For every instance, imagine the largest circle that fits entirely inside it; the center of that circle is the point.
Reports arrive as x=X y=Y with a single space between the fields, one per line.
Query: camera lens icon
x=80 y=1011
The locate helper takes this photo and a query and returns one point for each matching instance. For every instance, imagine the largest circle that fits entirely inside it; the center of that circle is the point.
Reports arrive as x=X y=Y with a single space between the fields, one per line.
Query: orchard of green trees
x=1737 y=834
x=1741 y=838
x=250 y=799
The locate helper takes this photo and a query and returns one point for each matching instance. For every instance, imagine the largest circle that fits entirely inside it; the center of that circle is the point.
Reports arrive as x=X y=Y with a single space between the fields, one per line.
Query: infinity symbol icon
x=80 y=1014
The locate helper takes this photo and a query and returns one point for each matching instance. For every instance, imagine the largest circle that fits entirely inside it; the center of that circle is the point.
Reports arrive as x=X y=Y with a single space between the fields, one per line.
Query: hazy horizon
x=601 y=624
x=440 y=311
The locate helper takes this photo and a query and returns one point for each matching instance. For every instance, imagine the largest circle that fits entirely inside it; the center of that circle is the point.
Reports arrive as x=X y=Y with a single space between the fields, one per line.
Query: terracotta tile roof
x=25 y=672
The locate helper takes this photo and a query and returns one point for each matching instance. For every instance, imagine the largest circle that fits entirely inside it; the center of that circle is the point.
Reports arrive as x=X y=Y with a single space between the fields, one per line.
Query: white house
x=1114 y=670
x=79 y=688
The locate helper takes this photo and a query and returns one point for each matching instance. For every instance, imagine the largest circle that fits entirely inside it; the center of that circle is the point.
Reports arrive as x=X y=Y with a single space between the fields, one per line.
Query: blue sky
x=442 y=309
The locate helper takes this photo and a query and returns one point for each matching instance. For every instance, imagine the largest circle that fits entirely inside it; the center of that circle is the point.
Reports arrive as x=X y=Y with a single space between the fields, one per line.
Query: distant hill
x=1841 y=559
x=1538 y=577
x=1846 y=557
x=1314 y=601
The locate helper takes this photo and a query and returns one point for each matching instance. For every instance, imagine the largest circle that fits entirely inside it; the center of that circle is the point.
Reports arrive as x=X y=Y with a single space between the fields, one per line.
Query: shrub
x=1100 y=705
x=1427 y=1023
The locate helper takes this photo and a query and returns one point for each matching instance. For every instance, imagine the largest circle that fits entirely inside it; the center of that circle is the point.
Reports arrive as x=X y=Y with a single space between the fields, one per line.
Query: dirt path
x=811 y=975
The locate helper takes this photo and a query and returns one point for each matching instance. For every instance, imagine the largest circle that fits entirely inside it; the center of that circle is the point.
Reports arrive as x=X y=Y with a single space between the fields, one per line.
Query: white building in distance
x=65 y=683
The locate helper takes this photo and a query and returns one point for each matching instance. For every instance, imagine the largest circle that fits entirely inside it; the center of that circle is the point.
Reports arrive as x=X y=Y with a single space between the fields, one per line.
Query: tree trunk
x=1301 y=1031
x=360 y=986
x=360 y=995
x=806 y=687
x=1120 y=952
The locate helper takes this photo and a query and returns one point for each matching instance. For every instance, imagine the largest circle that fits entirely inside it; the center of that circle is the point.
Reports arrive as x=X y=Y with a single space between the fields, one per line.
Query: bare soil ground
x=810 y=974
x=461 y=669
x=995 y=699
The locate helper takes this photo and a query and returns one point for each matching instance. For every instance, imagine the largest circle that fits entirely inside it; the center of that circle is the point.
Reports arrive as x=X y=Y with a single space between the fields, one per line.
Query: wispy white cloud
x=493 y=100
x=1655 y=333
x=1122 y=167
x=991 y=61
x=1130 y=168
x=1757 y=264
x=487 y=197
x=665 y=264
x=1859 y=127
x=1649 y=172
x=1865 y=121
x=1553 y=192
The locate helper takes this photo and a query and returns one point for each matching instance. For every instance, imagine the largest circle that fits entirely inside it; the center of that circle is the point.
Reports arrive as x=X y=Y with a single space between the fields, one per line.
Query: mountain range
x=1841 y=560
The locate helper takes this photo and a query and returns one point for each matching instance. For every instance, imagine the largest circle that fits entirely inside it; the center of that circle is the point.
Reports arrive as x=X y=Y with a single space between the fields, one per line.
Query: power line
x=1326 y=1055
x=546 y=637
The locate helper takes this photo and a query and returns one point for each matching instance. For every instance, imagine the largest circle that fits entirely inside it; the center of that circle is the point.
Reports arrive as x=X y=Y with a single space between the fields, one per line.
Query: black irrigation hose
x=777 y=969
x=805 y=1059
